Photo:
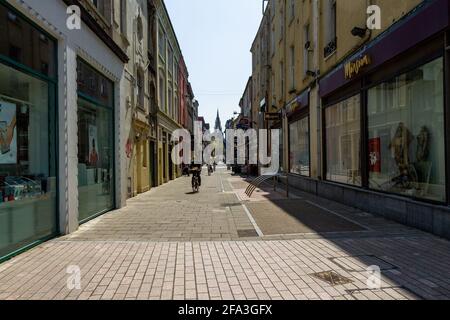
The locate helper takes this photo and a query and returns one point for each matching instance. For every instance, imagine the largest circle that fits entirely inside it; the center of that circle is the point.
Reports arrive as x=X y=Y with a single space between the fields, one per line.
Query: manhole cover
x=332 y=278
x=247 y=233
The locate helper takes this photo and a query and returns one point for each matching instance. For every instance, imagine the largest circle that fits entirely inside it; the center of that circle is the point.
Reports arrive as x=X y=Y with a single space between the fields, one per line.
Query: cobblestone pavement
x=169 y=244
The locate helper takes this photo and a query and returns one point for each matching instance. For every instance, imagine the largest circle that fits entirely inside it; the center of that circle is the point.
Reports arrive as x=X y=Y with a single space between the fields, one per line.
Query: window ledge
x=328 y=57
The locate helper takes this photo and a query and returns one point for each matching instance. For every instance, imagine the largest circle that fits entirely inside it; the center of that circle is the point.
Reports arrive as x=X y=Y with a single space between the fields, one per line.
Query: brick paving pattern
x=169 y=244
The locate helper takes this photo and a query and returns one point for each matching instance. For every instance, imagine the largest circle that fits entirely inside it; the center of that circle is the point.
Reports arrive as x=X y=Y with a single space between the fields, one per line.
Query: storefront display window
x=281 y=149
x=299 y=160
x=343 y=136
x=406 y=134
x=95 y=143
x=28 y=180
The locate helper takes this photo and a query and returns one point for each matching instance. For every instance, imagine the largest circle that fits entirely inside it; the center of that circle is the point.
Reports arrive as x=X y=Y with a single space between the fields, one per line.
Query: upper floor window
x=281 y=21
x=103 y=7
x=140 y=28
x=272 y=41
x=162 y=43
x=123 y=16
x=170 y=60
x=282 y=79
x=292 y=68
x=140 y=87
x=291 y=10
x=307 y=49
x=330 y=27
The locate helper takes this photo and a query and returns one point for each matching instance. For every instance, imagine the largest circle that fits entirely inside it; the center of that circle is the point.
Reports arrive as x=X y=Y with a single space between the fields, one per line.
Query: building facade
x=85 y=119
x=135 y=30
x=169 y=98
x=363 y=111
x=61 y=98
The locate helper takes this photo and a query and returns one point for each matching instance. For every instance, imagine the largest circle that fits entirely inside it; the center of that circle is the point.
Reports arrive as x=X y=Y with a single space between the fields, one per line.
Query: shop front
x=384 y=125
x=385 y=130
x=28 y=148
x=95 y=142
x=298 y=136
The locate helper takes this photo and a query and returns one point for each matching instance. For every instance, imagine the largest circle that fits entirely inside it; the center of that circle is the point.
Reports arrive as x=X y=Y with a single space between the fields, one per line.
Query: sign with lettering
x=272 y=116
x=353 y=68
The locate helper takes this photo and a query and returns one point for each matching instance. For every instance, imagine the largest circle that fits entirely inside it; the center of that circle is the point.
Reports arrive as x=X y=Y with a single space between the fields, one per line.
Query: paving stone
x=143 y=252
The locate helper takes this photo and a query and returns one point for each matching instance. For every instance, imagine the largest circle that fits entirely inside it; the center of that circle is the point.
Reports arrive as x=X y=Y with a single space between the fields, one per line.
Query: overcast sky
x=215 y=37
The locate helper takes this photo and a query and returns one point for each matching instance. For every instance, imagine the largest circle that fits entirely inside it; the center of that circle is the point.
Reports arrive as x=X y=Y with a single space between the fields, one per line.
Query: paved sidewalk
x=173 y=213
x=169 y=244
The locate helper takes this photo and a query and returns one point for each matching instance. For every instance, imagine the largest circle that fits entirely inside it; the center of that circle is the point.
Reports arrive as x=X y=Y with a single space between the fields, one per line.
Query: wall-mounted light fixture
x=310 y=73
x=359 y=32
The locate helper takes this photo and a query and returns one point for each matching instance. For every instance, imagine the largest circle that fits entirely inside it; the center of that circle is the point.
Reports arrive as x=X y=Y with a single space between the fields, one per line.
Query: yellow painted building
x=298 y=33
x=169 y=99
x=361 y=88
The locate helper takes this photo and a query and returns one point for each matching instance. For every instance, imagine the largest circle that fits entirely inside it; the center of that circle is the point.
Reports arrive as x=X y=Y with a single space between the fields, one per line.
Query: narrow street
x=219 y=244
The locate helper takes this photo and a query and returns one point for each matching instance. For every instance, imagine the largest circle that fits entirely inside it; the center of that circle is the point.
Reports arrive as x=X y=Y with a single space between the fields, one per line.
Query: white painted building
x=76 y=82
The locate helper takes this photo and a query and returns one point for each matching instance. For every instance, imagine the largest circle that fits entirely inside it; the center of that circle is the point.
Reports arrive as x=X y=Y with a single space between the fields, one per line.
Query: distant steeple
x=218 y=126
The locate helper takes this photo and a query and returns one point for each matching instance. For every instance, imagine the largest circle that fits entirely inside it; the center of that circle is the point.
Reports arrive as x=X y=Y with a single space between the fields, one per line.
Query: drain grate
x=250 y=233
x=332 y=278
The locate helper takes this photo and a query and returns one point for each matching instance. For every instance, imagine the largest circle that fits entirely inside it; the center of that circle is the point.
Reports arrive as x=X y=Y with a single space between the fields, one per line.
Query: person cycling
x=210 y=169
x=196 y=170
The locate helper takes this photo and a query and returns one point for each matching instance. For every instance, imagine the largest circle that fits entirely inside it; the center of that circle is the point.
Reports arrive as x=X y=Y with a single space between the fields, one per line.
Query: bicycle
x=195 y=184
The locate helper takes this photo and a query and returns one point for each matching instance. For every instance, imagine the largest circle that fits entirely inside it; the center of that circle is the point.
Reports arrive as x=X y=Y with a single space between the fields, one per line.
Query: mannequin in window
x=93 y=160
x=93 y=155
x=400 y=145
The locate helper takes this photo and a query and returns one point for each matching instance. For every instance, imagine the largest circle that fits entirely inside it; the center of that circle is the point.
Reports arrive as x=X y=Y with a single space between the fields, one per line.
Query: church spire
x=218 y=126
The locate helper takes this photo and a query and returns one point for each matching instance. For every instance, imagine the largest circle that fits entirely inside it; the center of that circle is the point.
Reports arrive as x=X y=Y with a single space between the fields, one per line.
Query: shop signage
x=353 y=68
x=272 y=116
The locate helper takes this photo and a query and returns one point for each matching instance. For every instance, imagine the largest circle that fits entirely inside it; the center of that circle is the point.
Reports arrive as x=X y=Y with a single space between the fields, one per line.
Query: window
x=281 y=80
x=330 y=28
x=292 y=10
x=95 y=144
x=140 y=87
x=281 y=21
x=307 y=49
x=170 y=60
x=170 y=100
x=272 y=41
x=123 y=17
x=103 y=7
x=145 y=154
x=292 y=68
x=272 y=82
x=28 y=175
x=140 y=29
x=299 y=162
x=406 y=134
x=281 y=150
x=176 y=117
x=26 y=45
x=162 y=91
x=343 y=136
x=162 y=43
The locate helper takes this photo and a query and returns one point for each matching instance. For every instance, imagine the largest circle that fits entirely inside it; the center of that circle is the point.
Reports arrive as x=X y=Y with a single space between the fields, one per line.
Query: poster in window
x=375 y=155
x=8 y=133
x=93 y=147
